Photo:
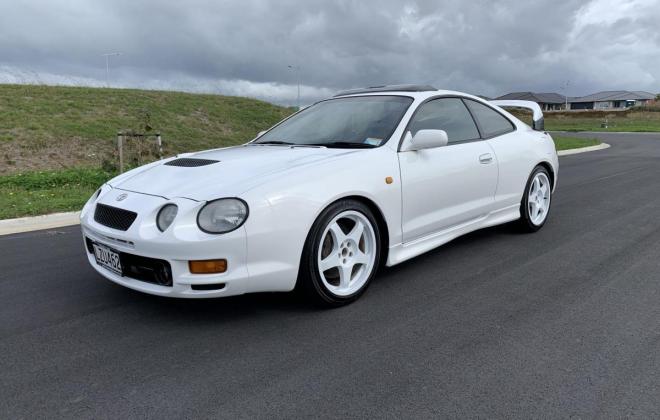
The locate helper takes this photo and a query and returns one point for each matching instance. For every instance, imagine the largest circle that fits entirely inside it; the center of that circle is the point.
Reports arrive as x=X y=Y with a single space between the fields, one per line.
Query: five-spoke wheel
x=535 y=204
x=341 y=254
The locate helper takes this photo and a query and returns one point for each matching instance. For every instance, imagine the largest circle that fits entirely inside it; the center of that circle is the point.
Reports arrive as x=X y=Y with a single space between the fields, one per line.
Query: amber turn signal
x=207 y=266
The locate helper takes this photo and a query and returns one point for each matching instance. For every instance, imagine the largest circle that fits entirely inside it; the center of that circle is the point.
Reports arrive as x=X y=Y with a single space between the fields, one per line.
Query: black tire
x=525 y=222
x=309 y=281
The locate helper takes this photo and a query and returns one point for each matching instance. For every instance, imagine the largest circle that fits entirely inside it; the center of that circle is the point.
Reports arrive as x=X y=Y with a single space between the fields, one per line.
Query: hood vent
x=191 y=162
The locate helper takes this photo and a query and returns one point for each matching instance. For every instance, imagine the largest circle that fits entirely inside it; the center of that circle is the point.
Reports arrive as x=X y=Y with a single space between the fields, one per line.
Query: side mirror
x=424 y=139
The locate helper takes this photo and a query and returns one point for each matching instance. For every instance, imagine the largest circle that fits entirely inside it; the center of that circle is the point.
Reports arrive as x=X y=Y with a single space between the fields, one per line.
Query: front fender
x=283 y=210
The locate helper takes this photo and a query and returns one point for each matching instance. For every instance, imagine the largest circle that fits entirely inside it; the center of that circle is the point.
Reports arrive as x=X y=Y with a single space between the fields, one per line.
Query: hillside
x=47 y=127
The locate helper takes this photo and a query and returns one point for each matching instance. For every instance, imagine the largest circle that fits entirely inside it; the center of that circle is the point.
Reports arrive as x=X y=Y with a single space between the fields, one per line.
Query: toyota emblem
x=121 y=197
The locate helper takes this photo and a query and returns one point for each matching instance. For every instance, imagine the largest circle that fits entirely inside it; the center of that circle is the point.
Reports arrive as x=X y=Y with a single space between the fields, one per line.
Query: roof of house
x=614 y=95
x=546 y=98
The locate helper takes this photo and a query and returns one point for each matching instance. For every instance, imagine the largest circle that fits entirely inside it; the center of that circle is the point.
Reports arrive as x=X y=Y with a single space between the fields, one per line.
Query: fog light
x=207 y=266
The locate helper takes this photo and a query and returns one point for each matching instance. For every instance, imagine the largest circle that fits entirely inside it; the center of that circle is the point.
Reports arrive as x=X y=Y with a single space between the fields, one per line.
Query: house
x=613 y=99
x=547 y=101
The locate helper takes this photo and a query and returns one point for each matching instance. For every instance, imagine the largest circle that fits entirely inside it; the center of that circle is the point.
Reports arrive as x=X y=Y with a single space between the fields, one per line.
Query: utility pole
x=564 y=87
x=297 y=69
x=107 y=65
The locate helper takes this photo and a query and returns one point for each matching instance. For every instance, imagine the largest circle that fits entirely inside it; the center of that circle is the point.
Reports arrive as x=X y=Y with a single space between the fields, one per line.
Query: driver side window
x=449 y=114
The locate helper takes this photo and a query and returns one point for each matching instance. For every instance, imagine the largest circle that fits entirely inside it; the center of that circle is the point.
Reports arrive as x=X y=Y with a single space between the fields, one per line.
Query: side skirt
x=405 y=251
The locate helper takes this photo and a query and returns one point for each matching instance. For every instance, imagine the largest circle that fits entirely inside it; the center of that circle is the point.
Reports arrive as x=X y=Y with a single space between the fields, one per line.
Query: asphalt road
x=562 y=323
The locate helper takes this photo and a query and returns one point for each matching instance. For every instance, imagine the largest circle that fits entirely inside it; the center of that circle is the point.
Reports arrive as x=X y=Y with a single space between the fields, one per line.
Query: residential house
x=547 y=101
x=613 y=99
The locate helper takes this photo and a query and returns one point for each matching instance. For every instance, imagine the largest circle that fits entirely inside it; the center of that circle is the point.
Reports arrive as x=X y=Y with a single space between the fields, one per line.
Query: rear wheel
x=535 y=205
x=341 y=254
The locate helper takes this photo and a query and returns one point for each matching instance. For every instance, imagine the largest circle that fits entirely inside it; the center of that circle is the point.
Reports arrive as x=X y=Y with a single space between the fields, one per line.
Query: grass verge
x=43 y=192
x=568 y=142
x=641 y=119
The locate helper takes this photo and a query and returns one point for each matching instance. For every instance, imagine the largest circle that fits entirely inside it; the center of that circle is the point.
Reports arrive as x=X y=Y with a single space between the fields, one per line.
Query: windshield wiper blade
x=348 y=145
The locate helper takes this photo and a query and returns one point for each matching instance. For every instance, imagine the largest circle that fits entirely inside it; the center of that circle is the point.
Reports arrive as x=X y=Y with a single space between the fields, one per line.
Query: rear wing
x=537 y=114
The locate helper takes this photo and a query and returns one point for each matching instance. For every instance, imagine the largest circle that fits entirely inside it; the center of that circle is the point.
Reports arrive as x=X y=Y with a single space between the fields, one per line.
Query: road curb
x=48 y=221
x=583 y=149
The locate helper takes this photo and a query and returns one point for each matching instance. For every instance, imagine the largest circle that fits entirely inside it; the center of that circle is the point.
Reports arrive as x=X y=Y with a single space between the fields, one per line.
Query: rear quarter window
x=491 y=122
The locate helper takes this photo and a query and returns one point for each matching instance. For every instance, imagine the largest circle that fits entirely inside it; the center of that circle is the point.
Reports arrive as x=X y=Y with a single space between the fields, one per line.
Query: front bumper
x=181 y=243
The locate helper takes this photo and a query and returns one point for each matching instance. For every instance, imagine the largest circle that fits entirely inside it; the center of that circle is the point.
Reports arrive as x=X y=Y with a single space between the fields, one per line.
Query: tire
x=536 y=200
x=350 y=257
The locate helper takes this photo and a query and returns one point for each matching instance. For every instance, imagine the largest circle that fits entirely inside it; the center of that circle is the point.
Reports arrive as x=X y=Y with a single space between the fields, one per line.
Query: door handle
x=486 y=158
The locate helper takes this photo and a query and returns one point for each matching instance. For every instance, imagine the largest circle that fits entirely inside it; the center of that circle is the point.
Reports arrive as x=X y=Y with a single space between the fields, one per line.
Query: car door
x=514 y=152
x=446 y=186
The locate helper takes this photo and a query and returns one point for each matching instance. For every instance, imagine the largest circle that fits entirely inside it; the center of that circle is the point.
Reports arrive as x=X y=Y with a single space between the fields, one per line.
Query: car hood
x=237 y=170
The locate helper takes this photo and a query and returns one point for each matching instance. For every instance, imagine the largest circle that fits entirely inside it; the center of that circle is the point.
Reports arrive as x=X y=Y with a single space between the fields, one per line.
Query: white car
x=321 y=200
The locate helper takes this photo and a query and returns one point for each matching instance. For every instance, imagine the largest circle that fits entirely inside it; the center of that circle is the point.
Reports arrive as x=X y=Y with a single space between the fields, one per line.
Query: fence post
x=120 y=146
x=160 y=146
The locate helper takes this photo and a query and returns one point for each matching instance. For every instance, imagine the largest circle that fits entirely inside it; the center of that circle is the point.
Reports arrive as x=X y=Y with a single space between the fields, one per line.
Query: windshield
x=364 y=121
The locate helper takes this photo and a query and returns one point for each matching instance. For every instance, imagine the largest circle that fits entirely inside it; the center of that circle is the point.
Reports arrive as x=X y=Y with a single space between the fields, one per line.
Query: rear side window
x=449 y=114
x=491 y=122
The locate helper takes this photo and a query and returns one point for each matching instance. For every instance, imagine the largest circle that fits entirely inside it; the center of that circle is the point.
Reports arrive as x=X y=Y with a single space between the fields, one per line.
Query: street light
x=107 y=56
x=297 y=69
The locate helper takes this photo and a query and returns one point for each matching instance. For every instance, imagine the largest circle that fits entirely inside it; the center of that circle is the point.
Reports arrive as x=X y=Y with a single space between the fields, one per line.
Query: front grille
x=191 y=162
x=149 y=270
x=114 y=217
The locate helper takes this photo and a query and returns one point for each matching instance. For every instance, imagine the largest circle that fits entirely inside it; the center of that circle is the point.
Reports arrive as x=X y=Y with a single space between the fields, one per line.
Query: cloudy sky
x=245 y=47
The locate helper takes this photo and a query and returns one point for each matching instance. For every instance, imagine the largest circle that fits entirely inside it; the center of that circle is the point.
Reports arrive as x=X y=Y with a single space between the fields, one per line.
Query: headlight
x=166 y=216
x=223 y=215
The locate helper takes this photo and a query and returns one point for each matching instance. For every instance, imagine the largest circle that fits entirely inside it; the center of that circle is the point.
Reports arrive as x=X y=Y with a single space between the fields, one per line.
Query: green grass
x=42 y=192
x=633 y=120
x=47 y=127
x=566 y=142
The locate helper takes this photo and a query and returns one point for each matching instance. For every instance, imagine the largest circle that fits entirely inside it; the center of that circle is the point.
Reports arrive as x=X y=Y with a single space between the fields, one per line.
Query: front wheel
x=535 y=204
x=341 y=254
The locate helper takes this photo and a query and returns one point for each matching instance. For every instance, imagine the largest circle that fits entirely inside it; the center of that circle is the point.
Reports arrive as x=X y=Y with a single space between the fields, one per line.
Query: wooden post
x=120 y=147
x=160 y=146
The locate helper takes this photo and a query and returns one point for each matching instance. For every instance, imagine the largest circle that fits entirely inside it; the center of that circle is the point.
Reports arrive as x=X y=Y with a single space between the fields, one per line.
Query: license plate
x=107 y=258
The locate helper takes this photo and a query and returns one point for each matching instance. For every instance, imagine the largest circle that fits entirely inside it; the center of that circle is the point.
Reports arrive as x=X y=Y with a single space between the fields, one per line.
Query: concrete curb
x=48 y=221
x=583 y=150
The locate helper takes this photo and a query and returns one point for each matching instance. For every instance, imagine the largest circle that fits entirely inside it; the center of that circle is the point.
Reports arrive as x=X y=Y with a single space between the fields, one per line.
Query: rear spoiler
x=537 y=115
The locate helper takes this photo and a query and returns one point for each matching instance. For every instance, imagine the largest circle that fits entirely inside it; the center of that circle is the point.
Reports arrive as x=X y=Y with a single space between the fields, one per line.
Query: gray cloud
x=244 y=47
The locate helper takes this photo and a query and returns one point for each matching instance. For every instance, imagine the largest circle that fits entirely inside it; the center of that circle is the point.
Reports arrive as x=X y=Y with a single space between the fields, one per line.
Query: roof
x=389 y=88
x=614 y=95
x=420 y=95
x=545 y=98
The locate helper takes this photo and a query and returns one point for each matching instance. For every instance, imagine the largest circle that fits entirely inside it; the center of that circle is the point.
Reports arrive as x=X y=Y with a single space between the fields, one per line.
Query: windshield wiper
x=347 y=145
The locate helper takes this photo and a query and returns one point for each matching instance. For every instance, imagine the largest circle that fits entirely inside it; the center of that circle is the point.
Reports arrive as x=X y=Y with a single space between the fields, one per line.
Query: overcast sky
x=245 y=47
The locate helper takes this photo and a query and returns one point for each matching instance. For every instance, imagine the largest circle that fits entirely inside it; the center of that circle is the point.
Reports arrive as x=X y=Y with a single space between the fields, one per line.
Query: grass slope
x=47 y=127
